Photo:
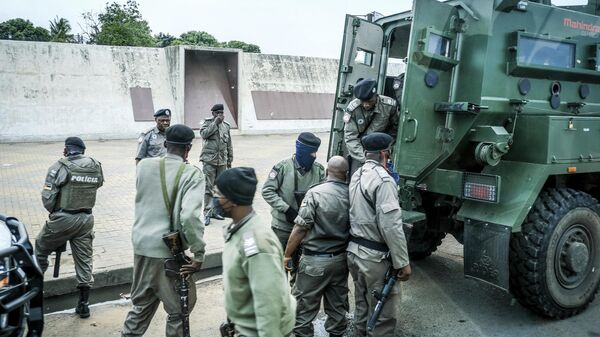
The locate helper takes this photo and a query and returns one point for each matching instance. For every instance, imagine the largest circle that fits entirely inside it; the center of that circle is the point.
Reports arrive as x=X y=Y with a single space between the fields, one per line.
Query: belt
x=378 y=246
x=75 y=211
x=321 y=254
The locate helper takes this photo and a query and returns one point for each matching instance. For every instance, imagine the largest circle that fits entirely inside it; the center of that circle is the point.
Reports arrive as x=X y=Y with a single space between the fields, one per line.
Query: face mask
x=217 y=209
x=304 y=155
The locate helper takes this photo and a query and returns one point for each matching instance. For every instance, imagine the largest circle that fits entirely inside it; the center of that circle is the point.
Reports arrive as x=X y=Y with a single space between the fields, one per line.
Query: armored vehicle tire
x=555 y=260
x=423 y=243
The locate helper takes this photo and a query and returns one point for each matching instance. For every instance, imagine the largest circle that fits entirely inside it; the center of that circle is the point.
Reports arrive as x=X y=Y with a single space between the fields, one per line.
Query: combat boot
x=82 y=308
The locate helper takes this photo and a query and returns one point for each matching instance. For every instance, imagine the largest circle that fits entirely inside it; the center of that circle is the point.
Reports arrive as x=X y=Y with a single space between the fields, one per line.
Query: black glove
x=291 y=214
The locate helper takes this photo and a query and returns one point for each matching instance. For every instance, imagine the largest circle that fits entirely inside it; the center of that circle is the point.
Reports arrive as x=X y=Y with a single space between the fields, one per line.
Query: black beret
x=217 y=107
x=365 y=89
x=238 y=185
x=162 y=112
x=376 y=141
x=308 y=138
x=180 y=134
x=75 y=141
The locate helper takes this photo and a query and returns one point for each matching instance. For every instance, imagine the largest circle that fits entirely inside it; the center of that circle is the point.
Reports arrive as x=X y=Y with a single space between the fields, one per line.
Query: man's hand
x=287 y=263
x=404 y=273
x=188 y=269
x=219 y=118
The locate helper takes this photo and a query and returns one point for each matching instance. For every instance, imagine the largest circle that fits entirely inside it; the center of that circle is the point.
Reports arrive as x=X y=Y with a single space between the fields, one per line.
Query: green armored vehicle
x=498 y=139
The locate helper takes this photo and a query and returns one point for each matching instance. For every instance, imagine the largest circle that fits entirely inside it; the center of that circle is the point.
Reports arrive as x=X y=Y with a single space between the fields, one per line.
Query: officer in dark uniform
x=69 y=194
x=216 y=156
x=377 y=238
x=367 y=113
x=151 y=143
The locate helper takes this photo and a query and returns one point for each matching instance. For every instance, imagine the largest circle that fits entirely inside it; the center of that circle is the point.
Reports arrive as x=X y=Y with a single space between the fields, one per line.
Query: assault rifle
x=59 y=251
x=172 y=267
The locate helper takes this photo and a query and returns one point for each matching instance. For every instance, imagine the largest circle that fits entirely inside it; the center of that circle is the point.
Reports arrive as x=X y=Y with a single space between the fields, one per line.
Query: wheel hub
x=578 y=256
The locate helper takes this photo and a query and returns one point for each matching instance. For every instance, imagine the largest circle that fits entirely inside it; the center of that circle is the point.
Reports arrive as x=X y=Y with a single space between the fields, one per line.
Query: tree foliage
x=197 y=38
x=247 y=47
x=164 y=39
x=21 y=29
x=60 y=30
x=119 y=25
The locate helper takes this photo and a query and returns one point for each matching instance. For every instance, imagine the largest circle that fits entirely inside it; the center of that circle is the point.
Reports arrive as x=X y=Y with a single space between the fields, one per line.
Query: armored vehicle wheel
x=555 y=260
x=424 y=242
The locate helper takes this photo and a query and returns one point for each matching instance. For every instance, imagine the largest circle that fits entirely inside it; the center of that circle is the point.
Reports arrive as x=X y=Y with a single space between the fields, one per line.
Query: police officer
x=323 y=224
x=287 y=183
x=183 y=185
x=217 y=154
x=376 y=237
x=151 y=143
x=367 y=113
x=257 y=296
x=69 y=194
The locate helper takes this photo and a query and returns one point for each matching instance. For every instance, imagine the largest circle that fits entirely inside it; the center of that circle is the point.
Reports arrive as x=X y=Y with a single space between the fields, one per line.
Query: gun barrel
x=385 y=294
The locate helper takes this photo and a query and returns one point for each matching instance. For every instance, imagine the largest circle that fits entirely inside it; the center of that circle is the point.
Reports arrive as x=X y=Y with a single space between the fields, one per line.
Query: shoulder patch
x=355 y=103
x=347 y=117
x=52 y=173
x=273 y=174
x=387 y=100
x=48 y=186
x=250 y=247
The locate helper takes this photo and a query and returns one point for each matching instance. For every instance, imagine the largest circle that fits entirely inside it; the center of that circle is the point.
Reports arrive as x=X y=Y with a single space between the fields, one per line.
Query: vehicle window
x=438 y=44
x=545 y=52
x=364 y=57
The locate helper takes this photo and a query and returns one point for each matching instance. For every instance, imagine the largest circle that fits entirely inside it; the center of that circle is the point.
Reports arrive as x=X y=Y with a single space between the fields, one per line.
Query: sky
x=288 y=27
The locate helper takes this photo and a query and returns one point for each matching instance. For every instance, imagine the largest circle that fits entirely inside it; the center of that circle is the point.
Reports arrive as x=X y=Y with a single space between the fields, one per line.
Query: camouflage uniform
x=286 y=180
x=69 y=194
x=375 y=216
x=151 y=143
x=323 y=272
x=257 y=297
x=359 y=123
x=216 y=156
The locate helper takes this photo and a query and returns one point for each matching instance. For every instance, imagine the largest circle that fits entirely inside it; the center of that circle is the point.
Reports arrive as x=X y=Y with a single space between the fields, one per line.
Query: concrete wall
x=49 y=91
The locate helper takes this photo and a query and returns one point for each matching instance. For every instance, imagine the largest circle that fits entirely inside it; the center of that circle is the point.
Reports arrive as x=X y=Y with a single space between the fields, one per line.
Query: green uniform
x=151 y=143
x=217 y=154
x=323 y=272
x=359 y=123
x=69 y=194
x=150 y=285
x=375 y=215
x=257 y=297
x=286 y=184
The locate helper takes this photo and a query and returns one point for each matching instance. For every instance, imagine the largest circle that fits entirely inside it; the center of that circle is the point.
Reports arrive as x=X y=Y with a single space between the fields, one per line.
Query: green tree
x=247 y=47
x=197 y=38
x=20 y=29
x=164 y=39
x=119 y=25
x=60 y=30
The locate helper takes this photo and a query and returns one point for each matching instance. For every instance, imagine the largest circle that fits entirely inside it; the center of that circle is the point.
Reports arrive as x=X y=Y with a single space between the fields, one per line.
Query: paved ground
x=23 y=168
x=437 y=302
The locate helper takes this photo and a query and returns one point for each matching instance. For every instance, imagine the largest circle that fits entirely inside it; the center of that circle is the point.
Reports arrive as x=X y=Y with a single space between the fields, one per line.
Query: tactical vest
x=80 y=190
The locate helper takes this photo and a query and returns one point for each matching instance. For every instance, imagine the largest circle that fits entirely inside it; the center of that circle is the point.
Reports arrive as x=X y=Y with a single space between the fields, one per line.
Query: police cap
x=75 y=141
x=365 y=89
x=376 y=141
x=162 y=112
x=217 y=107
x=180 y=134
x=309 y=138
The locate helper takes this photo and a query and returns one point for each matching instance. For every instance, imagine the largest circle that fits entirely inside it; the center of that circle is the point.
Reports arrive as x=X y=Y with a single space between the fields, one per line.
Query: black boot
x=82 y=308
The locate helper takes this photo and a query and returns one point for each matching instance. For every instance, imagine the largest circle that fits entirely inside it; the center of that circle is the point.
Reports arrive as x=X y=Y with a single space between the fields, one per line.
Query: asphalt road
x=437 y=301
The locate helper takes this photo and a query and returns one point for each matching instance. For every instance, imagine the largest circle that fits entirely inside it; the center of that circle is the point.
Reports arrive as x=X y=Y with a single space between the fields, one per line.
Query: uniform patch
x=347 y=117
x=273 y=174
x=250 y=248
x=140 y=139
x=52 y=173
x=153 y=136
x=48 y=186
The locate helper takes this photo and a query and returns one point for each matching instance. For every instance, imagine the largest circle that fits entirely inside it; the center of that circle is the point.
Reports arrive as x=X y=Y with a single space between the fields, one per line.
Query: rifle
x=382 y=297
x=172 y=266
x=59 y=250
x=227 y=329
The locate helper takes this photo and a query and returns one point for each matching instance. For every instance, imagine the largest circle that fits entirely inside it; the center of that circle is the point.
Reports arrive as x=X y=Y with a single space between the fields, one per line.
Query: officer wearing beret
x=160 y=182
x=287 y=184
x=69 y=194
x=376 y=237
x=367 y=113
x=322 y=227
x=217 y=154
x=257 y=297
x=151 y=143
